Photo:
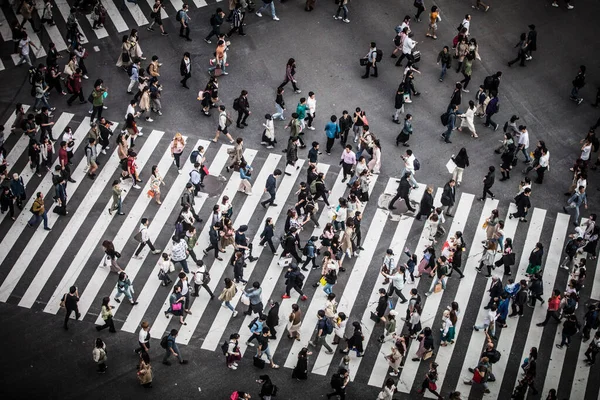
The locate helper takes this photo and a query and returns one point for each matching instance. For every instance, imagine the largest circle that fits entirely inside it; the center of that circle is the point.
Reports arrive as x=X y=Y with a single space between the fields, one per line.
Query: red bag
x=205 y=170
x=432 y=386
x=477 y=378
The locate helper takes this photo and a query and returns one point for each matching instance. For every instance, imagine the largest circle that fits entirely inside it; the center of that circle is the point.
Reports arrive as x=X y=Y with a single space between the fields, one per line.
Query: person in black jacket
x=289 y=245
x=268 y=389
x=462 y=161
x=457 y=256
x=214 y=240
x=507 y=158
x=449 y=196
x=293 y=280
x=243 y=109
x=488 y=182
x=456 y=98
x=267 y=235
x=578 y=83
x=492 y=83
x=403 y=192
x=185 y=69
x=345 y=123
x=322 y=191
x=398 y=103
x=382 y=304
x=291 y=155
x=531 y=42
x=273 y=319
x=519 y=300
x=426 y=206
x=570 y=327
x=270 y=187
x=523 y=205
x=495 y=291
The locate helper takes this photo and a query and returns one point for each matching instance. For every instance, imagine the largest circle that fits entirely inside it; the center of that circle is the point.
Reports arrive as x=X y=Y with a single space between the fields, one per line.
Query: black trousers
x=292 y=285
x=242 y=116
x=185 y=31
x=109 y=323
x=520 y=57
x=141 y=246
x=239 y=29
x=516 y=309
x=285 y=82
x=271 y=245
x=308 y=260
x=344 y=136
x=185 y=79
x=368 y=70
x=205 y=286
x=551 y=314
x=215 y=247
x=271 y=200
x=215 y=31
x=141 y=348
x=69 y=312
x=486 y=191
x=294 y=254
x=97 y=110
x=329 y=146
x=406 y=200
x=392 y=289
x=322 y=195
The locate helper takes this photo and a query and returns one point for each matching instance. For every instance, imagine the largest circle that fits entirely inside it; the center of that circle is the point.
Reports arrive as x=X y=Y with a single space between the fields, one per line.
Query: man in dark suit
x=185 y=69
x=404 y=188
x=449 y=197
x=488 y=182
x=426 y=206
x=270 y=187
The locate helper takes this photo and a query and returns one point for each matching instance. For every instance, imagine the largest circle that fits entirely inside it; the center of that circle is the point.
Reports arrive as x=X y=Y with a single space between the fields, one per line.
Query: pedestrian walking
x=451 y=122
x=39 y=212
x=449 y=197
x=300 y=371
x=578 y=84
x=492 y=108
x=574 y=202
x=553 y=308
x=107 y=316
x=445 y=59
x=426 y=346
x=172 y=348
x=522 y=52
x=99 y=355
x=406 y=132
x=371 y=61
x=184 y=22
x=267 y=4
x=125 y=287
x=339 y=382
x=323 y=328
x=143 y=338
x=461 y=160
x=156 y=18
x=216 y=20
x=434 y=17
x=593 y=349
x=242 y=107
x=227 y=295
x=224 y=122
x=117 y=202
x=144 y=239
x=263 y=347
x=270 y=187
x=403 y=192
x=70 y=302
x=254 y=294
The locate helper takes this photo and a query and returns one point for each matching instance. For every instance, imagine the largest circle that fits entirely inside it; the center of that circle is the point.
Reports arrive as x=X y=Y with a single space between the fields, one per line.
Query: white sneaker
x=336 y=17
x=103 y=151
x=269 y=147
x=554 y=5
x=104 y=107
x=91 y=111
x=570 y=7
x=179 y=171
x=232 y=367
x=249 y=344
x=159 y=112
x=140 y=134
x=149 y=119
x=225 y=73
x=312 y=128
x=408 y=101
x=275 y=19
x=107 y=148
x=136 y=187
x=236 y=364
x=346 y=20
x=258 y=14
x=235 y=313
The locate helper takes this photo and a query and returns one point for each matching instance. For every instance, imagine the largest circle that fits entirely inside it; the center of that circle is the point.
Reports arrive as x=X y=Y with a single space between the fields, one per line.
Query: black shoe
x=245 y=124
x=239 y=126
x=167 y=362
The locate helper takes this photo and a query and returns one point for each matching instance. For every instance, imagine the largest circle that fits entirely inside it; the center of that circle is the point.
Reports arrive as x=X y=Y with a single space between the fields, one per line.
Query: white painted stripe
x=95 y=235
x=378 y=374
x=166 y=209
x=149 y=290
x=557 y=356
x=200 y=3
x=53 y=32
x=1 y=66
x=409 y=372
x=5 y=30
x=211 y=341
x=64 y=9
x=583 y=372
x=136 y=13
x=160 y=324
x=75 y=222
x=553 y=259
x=115 y=16
x=39 y=52
x=21 y=146
x=310 y=315
x=398 y=242
x=504 y=345
x=177 y=4
x=337 y=191
x=138 y=210
x=163 y=14
x=19 y=225
x=272 y=277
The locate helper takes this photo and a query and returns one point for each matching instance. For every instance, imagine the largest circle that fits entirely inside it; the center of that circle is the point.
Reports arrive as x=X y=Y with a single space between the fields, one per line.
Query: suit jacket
x=183 y=69
x=449 y=195
x=489 y=179
x=426 y=204
x=404 y=187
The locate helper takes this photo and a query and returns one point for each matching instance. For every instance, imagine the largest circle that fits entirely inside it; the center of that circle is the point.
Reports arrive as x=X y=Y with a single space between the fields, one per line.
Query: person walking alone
x=69 y=301
x=488 y=182
x=184 y=20
x=185 y=69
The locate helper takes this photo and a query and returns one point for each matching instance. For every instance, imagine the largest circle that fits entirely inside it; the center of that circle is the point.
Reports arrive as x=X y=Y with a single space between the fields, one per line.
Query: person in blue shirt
x=270 y=187
x=332 y=129
x=173 y=349
x=451 y=122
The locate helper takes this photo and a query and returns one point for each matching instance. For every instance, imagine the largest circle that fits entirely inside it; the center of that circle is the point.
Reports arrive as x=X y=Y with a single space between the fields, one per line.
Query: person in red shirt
x=63 y=158
x=132 y=168
x=553 y=306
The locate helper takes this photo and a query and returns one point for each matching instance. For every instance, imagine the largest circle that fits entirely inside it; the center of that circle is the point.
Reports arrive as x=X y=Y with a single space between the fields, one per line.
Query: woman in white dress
x=375 y=163
x=125 y=51
x=431 y=227
x=467 y=119
x=136 y=50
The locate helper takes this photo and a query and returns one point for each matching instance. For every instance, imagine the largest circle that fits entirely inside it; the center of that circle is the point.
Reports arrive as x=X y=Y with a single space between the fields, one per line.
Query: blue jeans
x=217 y=64
x=576 y=208
x=491 y=328
x=176 y=350
x=566 y=339
x=435 y=282
x=266 y=351
x=575 y=93
x=444 y=69
x=526 y=154
x=448 y=132
x=267 y=5
x=184 y=265
x=279 y=113
x=342 y=8
x=228 y=305
x=126 y=292
x=328 y=288
x=36 y=218
x=41 y=101
x=412 y=179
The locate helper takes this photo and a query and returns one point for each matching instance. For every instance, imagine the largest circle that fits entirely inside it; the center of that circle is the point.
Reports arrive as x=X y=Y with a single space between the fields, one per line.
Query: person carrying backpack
x=184 y=20
x=294 y=279
x=268 y=389
x=371 y=60
x=324 y=328
x=578 y=83
x=216 y=20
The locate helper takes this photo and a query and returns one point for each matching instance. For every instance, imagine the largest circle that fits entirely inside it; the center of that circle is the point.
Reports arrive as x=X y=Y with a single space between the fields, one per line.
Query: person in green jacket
x=97 y=100
x=301 y=111
x=191 y=238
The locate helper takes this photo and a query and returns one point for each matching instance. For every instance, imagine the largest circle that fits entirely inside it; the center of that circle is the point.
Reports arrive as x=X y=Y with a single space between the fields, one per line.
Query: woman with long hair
x=155 y=181
x=111 y=255
x=290 y=71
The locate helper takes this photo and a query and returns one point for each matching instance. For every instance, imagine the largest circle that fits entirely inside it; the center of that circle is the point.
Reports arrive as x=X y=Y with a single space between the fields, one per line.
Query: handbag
x=438 y=288
x=151 y=193
x=176 y=306
x=205 y=170
x=323 y=281
x=509 y=259
x=62 y=301
x=428 y=355
x=364 y=61
x=244 y=299
x=374 y=317
x=485 y=225
x=432 y=386
x=125 y=57
x=258 y=362
x=138 y=236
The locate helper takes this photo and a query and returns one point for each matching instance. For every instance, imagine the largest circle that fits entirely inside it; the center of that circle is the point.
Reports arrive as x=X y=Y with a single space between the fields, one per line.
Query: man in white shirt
x=466 y=24
x=407 y=47
x=409 y=166
x=543 y=166
x=222 y=127
x=311 y=102
x=524 y=142
x=144 y=338
x=24 y=49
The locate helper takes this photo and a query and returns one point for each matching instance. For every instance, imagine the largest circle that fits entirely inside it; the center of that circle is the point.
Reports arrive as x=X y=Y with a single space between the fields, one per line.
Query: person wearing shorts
x=156 y=18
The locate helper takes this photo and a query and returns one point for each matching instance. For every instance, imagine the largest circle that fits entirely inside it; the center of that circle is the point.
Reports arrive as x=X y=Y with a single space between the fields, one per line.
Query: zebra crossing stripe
x=557 y=356
x=65 y=9
x=272 y=279
x=149 y=290
x=432 y=303
x=583 y=372
x=217 y=329
x=74 y=223
x=95 y=235
x=19 y=225
x=137 y=13
x=534 y=335
x=310 y=315
x=5 y=30
x=160 y=321
x=397 y=244
x=166 y=209
x=23 y=142
x=53 y=33
x=115 y=16
x=338 y=189
x=130 y=225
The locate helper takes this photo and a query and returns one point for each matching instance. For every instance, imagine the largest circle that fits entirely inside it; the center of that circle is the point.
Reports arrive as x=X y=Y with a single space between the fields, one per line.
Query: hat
x=243 y=228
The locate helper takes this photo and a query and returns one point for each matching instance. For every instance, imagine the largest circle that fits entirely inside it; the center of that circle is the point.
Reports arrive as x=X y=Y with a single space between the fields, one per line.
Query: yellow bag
x=485 y=225
x=323 y=281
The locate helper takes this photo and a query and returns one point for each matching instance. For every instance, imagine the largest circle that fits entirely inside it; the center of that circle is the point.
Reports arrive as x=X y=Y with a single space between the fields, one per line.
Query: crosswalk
x=118 y=22
x=38 y=267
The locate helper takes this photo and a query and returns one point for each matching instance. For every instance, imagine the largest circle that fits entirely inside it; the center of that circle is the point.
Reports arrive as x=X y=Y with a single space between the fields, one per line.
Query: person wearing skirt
x=426 y=346
x=300 y=371
x=233 y=351
x=467 y=119
x=407 y=130
x=125 y=62
x=295 y=322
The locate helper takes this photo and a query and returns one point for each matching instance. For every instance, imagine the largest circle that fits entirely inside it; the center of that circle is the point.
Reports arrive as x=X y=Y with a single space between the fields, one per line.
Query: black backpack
x=163 y=342
x=213 y=20
x=488 y=82
x=445 y=118
x=252 y=323
x=494 y=357
x=178 y=16
x=236 y=104
x=225 y=347
x=417 y=165
x=336 y=381
x=193 y=156
x=130 y=70
x=378 y=55
x=300 y=279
